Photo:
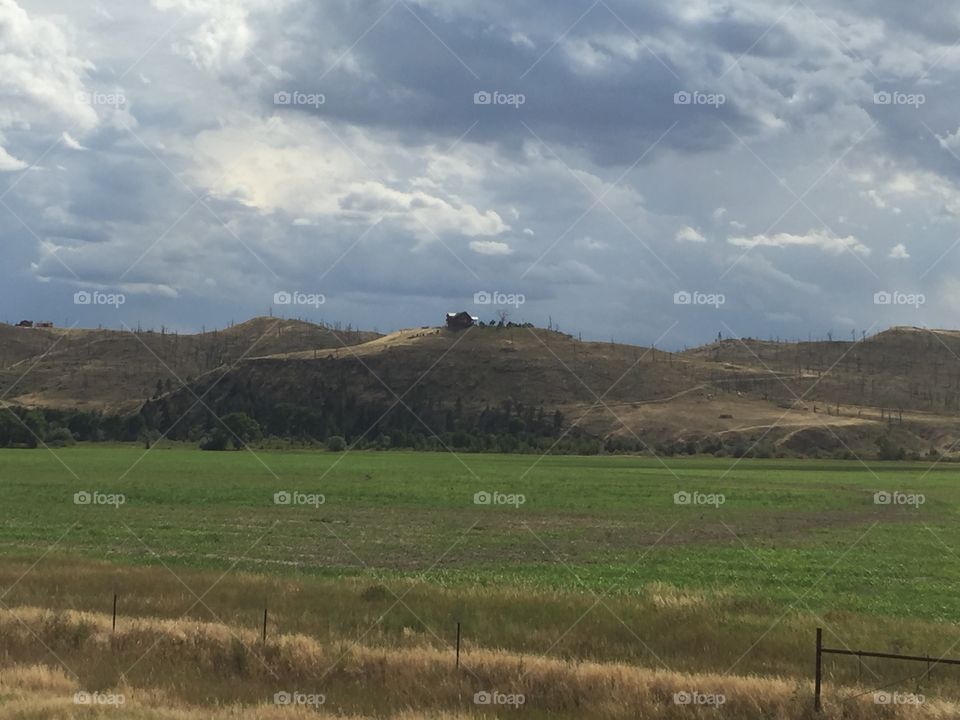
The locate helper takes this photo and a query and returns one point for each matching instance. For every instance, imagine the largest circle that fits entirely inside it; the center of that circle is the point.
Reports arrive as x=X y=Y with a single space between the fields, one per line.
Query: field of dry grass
x=188 y=646
x=181 y=664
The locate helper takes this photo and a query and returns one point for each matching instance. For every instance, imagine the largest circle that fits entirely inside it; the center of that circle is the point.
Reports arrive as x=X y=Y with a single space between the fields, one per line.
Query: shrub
x=60 y=437
x=888 y=449
x=217 y=440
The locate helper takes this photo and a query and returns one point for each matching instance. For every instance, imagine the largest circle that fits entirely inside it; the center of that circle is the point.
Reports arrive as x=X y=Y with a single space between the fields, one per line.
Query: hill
x=118 y=370
x=830 y=398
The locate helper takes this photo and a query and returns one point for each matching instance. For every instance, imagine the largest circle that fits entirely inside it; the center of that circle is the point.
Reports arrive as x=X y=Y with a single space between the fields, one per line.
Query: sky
x=654 y=172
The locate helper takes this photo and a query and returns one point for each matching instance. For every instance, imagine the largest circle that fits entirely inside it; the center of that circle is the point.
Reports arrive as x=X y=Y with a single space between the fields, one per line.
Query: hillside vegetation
x=515 y=388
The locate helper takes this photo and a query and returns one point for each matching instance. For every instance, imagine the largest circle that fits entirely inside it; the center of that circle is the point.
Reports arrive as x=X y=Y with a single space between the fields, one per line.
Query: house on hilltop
x=461 y=320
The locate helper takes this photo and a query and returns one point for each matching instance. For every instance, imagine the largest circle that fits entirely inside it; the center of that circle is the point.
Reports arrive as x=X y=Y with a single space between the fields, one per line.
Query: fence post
x=264 y=636
x=817 y=681
x=114 y=612
x=458 y=646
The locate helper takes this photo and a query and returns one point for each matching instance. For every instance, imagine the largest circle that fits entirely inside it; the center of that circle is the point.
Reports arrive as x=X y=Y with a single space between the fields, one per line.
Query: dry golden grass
x=176 y=669
x=38 y=692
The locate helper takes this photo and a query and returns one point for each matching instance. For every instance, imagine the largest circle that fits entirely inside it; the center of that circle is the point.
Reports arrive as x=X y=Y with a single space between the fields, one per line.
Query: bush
x=888 y=449
x=60 y=437
x=242 y=429
x=336 y=444
x=217 y=440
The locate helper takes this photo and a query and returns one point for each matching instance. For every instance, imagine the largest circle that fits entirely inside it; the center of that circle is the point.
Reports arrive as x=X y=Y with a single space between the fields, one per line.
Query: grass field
x=598 y=563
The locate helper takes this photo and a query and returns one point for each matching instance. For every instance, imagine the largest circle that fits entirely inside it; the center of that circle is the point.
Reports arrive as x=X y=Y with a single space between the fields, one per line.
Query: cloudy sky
x=644 y=171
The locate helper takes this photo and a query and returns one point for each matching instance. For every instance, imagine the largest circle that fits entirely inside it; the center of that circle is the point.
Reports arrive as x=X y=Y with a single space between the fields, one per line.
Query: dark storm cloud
x=402 y=78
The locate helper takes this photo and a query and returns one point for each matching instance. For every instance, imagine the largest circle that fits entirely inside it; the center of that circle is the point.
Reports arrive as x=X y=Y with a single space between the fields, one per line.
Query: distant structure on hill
x=31 y=324
x=461 y=320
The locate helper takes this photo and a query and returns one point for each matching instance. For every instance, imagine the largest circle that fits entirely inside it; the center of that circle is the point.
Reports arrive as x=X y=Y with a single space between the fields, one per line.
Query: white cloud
x=899 y=252
x=688 y=234
x=223 y=35
x=490 y=247
x=8 y=163
x=824 y=240
x=71 y=142
x=292 y=165
x=41 y=76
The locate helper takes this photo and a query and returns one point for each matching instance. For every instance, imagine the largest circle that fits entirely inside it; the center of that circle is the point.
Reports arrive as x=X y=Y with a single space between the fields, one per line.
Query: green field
x=785 y=527
x=599 y=561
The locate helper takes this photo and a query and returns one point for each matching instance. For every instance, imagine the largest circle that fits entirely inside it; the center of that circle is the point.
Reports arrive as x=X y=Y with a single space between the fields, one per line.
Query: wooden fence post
x=817 y=681
x=458 y=646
